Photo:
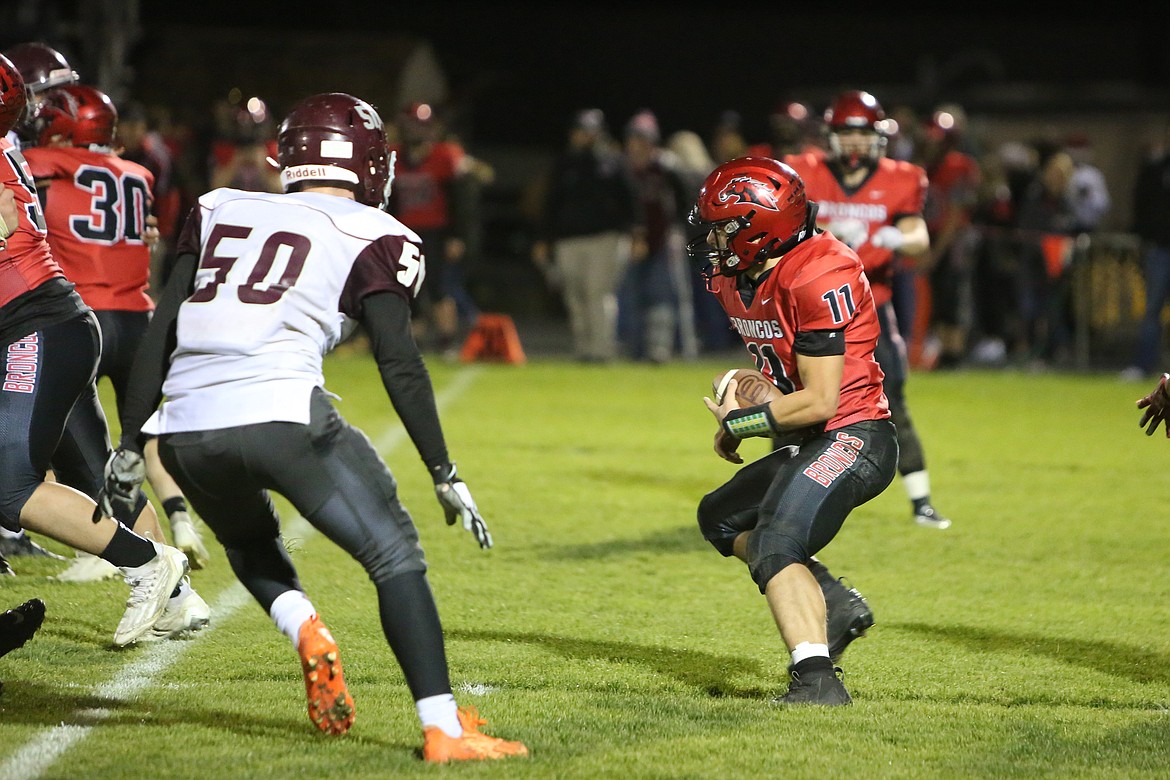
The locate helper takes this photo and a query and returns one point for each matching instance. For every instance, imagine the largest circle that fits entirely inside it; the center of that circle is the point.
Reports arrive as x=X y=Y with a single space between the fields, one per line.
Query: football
x=753 y=387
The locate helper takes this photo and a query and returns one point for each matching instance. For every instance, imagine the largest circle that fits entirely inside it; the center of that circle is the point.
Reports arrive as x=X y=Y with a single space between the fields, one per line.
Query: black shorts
x=327 y=469
x=795 y=503
x=122 y=332
x=47 y=373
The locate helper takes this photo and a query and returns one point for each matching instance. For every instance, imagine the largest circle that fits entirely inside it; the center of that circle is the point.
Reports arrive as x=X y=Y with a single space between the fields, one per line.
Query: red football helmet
x=856 y=110
x=42 y=66
x=14 y=95
x=335 y=137
x=757 y=209
x=97 y=118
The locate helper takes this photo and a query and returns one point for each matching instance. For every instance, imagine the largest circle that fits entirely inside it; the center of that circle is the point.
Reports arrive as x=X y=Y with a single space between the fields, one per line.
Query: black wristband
x=752 y=421
x=444 y=472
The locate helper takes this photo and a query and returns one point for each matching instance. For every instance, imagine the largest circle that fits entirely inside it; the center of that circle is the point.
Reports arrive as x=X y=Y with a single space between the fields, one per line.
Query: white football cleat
x=185 y=536
x=88 y=568
x=151 y=586
x=184 y=613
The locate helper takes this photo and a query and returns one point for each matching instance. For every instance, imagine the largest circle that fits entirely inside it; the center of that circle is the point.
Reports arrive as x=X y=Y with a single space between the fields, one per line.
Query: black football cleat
x=849 y=616
x=18 y=625
x=928 y=517
x=5 y=569
x=14 y=547
x=818 y=688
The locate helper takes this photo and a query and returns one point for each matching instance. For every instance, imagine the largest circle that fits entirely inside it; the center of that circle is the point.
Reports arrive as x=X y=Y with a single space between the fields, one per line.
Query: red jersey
x=96 y=207
x=954 y=185
x=419 y=196
x=893 y=190
x=26 y=261
x=818 y=286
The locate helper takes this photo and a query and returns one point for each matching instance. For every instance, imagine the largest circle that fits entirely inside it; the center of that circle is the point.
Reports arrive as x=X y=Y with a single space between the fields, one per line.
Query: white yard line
x=44 y=748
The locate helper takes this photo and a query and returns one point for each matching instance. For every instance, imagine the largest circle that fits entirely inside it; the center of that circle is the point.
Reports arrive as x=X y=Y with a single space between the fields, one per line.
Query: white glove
x=125 y=471
x=456 y=500
x=888 y=237
x=851 y=231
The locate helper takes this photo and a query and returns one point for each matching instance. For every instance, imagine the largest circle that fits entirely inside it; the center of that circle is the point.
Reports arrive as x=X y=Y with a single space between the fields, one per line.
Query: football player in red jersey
x=97 y=210
x=874 y=204
x=431 y=177
x=802 y=305
x=954 y=177
x=52 y=343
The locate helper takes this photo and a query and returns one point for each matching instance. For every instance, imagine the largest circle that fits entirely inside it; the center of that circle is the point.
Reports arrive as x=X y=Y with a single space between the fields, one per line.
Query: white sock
x=808 y=650
x=917 y=485
x=440 y=711
x=6 y=534
x=290 y=611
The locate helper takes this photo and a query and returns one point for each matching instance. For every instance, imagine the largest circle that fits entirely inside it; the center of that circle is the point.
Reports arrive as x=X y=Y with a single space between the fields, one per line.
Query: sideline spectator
x=711 y=323
x=654 y=301
x=1151 y=222
x=1046 y=222
x=1088 y=191
x=431 y=195
x=588 y=222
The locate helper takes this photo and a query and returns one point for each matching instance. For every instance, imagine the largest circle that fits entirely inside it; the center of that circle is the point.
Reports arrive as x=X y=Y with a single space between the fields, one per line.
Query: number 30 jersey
x=817 y=288
x=96 y=207
x=279 y=278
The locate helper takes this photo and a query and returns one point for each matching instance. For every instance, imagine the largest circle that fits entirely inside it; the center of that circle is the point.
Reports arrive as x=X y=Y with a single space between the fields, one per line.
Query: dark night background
x=516 y=71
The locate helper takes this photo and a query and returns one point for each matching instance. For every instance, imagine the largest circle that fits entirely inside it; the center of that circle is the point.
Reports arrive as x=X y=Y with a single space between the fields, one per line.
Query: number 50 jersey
x=278 y=278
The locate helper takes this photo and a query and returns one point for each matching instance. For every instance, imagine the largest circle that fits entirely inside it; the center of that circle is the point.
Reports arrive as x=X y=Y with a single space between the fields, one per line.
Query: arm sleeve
x=153 y=359
x=386 y=318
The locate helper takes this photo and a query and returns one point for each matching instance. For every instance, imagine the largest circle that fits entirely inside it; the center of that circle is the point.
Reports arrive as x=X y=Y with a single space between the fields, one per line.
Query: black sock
x=410 y=622
x=128 y=549
x=813 y=665
x=176 y=504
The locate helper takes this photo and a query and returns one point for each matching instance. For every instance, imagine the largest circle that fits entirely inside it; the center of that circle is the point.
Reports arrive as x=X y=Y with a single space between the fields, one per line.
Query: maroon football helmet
x=42 y=66
x=757 y=208
x=856 y=110
x=337 y=138
x=14 y=95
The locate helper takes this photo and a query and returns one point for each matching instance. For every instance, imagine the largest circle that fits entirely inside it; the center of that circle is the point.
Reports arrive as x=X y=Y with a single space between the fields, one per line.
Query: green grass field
x=1029 y=640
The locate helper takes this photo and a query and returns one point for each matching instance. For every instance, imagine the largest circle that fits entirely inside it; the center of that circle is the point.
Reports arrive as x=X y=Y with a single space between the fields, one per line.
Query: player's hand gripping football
x=125 y=471
x=457 y=503
x=1156 y=406
x=725 y=444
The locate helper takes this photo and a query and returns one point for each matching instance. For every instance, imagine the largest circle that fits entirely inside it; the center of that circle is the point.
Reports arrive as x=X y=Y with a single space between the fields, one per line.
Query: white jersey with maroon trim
x=278 y=277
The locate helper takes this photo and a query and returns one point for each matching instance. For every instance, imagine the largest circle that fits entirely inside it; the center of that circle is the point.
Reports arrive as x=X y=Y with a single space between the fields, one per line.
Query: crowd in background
x=995 y=292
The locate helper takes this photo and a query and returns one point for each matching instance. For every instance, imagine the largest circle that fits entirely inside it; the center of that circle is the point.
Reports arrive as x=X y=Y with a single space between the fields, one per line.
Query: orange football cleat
x=330 y=705
x=474 y=745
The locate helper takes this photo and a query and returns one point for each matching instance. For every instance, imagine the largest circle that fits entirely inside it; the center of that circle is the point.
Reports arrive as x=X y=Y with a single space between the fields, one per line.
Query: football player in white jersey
x=263 y=286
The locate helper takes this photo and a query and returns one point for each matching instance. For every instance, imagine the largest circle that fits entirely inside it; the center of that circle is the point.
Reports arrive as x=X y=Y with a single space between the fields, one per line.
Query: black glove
x=456 y=500
x=125 y=471
x=1156 y=404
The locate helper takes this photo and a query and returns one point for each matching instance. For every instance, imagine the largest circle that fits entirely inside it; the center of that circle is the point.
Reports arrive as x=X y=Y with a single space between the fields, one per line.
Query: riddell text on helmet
x=308 y=171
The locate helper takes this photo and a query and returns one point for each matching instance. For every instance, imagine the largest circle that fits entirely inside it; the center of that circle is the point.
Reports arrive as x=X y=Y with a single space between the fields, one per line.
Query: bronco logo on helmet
x=746 y=189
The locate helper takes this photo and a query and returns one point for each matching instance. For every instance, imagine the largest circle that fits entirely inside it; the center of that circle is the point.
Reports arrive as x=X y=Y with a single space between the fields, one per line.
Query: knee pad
x=721 y=529
x=770 y=553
